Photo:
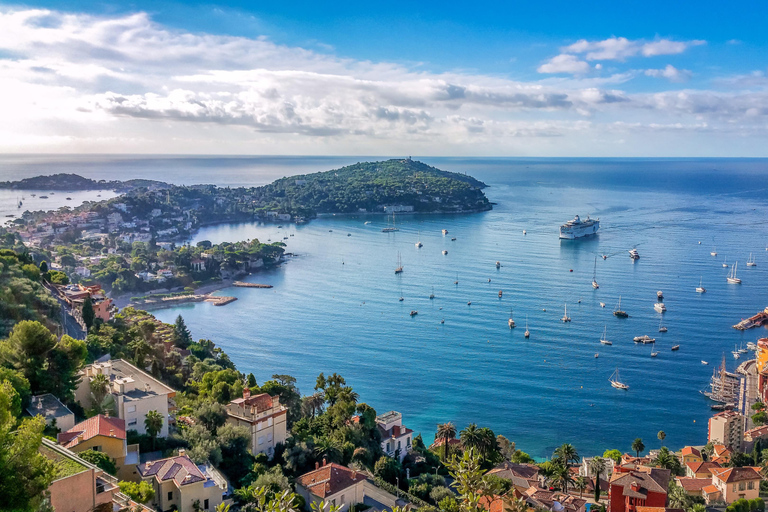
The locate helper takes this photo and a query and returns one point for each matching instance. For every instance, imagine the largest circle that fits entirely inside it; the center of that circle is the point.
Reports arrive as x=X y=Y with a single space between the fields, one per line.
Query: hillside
x=370 y=186
x=71 y=182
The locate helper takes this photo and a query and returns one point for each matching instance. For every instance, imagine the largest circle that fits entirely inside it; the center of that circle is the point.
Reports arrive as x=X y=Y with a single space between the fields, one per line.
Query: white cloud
x=621 y=48
x=564 y=64
x=82 y=83
x=670 y=72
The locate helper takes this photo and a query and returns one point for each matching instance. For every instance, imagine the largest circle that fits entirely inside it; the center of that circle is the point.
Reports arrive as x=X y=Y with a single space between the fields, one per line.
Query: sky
x=546 y=78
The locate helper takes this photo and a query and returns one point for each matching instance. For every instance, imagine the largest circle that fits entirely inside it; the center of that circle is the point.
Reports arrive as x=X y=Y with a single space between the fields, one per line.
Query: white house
x=263 y=416
x=395 y=438
x=135 y=393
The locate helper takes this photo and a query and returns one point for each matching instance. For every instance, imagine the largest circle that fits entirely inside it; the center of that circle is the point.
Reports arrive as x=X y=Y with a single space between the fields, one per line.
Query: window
x=132 y=422
x=342 y=499
x=131 y=408
x=742 y=486
x=205 y=504
x=96 y=448
x=261 y=440
x=734 y=487
x=750 y=485
x=269 y=437
x=170 y=495
x=398 y=445
x=269 y=422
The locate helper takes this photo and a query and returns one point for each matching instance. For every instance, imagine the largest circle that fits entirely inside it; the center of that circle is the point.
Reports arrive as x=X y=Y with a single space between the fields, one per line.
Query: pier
x=758 y=320
x=242 y=284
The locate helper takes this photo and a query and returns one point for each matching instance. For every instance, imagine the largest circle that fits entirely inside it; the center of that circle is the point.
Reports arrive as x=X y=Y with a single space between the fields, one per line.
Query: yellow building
x=263 y=416
x=690 y=454
x=107 y=435
x=737 y=483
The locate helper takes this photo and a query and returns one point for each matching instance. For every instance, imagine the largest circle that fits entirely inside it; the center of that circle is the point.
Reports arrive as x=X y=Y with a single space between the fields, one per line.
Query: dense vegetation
x=65 y=182
x=22 y=296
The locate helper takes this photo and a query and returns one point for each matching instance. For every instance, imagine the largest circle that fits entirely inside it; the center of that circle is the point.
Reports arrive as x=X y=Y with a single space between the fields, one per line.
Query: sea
x=335 y=305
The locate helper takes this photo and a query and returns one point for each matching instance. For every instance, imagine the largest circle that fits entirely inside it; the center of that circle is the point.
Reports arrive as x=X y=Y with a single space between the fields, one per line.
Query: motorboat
x=660 y=307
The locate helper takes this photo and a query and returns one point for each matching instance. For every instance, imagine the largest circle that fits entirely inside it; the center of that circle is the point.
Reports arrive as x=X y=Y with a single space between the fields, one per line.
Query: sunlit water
x=335 y=307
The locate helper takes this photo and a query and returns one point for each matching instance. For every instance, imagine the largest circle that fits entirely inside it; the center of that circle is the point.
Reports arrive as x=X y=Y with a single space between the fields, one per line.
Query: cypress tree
x=181 y=335
x=88 y=314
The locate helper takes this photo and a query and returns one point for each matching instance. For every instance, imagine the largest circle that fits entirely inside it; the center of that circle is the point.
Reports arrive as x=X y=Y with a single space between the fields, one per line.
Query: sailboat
x=750 y=261
x=654 y=353
x=511 y=321
x=604 y=339
x=661 y=327
x=732 y=275
x=432 y=295
x=457 y=279
x=618 y=311
x=725 y=262
x=735 y=352
x=615 y=382
x=391 y=228
x=418 y=242
x=527 y=333
x=594 y=276
x=566 y=318
x=714 y=252
x=700 y=288
x=399 y=268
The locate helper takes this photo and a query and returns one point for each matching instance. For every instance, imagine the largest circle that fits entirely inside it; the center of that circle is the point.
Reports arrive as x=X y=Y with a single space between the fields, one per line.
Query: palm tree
x=153 y=422
x=597 y=466
x=470 y=437
x=678 y=497
x=315 y=402
x=698 y=507
x=638 y=446
x=566 y=453
x=581 y=484
x=327 y=449
x=488 y=444
x=661 y=435
x=561 y=477
x=665 y=459
x=446 y=432
x=99 y=389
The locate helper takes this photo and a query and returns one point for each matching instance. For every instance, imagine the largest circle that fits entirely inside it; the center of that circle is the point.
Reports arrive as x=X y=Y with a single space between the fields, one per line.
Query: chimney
x=111 y=432
x=324 y=462
x=182 y=452
x=317 y=465
x=106 y=414
x=354 y=475
x=246 y=393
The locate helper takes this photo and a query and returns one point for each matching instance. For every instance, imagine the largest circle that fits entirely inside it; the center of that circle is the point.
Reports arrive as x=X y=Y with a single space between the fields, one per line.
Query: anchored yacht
x=577 y=228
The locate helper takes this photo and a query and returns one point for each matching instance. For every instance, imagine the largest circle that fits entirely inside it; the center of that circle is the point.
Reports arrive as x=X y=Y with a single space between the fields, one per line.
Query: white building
x=395 y=438
x=263 y=416
x=135 y=393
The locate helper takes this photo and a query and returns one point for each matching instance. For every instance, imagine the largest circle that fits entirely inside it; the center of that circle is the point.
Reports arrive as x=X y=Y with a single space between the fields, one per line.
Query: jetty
x=170 y=302
x=243 y=284
x=220 y=301
x=758 y=320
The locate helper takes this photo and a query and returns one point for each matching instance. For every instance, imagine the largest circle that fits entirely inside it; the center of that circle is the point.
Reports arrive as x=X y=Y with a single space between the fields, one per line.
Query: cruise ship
x=577 y=228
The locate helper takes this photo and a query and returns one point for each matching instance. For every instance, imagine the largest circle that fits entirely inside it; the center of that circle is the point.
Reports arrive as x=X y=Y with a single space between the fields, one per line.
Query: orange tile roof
x=97 y=426
x=710 y=489
x=693 y=484
x=700 y=467
x=329 y=479
x=690 y=450
x=729 y=475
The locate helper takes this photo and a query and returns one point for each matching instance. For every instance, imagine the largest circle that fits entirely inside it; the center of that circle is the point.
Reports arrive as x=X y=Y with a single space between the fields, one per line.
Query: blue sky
x=472 y=78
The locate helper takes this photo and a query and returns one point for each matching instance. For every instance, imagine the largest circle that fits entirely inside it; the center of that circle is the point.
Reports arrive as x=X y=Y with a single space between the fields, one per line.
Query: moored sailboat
x=700 y=289
x=732 y=275
x=594 y=276
x=527 y=333
x=618 y=312
x=566 y=318
x=604 y=339
x=750 y=261
x=399 y=268
x=616 y=382
x=511 y=321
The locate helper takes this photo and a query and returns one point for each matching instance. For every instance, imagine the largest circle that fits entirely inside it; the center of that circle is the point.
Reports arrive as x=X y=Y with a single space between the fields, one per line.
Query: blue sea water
x=334 y=307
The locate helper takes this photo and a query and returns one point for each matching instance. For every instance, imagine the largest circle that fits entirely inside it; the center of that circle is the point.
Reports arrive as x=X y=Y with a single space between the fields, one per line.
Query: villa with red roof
x=635 y=489
x=107 y=435
x=263 y=416
x=395 y=438
x=179 y=484
x=700 y=469
x=690 y=454
x=343 y=487
x=737 y=483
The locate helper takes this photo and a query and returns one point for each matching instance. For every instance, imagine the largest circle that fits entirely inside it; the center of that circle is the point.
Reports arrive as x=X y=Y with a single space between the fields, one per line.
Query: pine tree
x=181 y=335
x=88 y=314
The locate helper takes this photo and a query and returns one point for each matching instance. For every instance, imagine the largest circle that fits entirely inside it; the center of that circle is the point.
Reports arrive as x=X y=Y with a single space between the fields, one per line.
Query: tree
x=561 y=476
x=678 y=497
x=668 y=460
x=182 y=338
x=470 y=438
x=387 y=469
x=597 y=467
x=141 y=492
x=153 y=422
x=211 y=415
x=506 y=447
x=614 y=455
x=27 y=349
x=661 y=435
x=25 y=473
x=100 y=459
x=581 y=484
x=468 y=479
x=760 y=418
x=43 y=267
x=446 y=432
x=638 y=446
x=566 y=453
x=88 y=314
x=739 y=459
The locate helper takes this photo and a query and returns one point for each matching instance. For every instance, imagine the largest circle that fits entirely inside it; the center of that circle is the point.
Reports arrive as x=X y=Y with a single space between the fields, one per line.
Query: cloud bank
x=80 y=83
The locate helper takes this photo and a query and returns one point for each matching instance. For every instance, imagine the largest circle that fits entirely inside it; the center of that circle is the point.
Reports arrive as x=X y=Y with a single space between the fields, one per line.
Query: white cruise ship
x=577 y=228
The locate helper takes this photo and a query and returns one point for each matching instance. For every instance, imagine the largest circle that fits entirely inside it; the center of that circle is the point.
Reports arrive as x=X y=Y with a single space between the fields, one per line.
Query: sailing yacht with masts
x=750 y=261
x=418 y=242
x=399 y=268
x=616 y=382
x=732 y=275
x=594 y=276
x=618 y=312
x=724 y=385
x=511 y=321
x=604 y=338
x=725 y=262
x=700 y=288
x=391 y=228
x=566 y=318
x=527 y=333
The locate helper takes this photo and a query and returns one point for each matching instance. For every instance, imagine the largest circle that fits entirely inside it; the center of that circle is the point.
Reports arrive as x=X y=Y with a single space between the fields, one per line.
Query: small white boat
x=660 y=295
x=751 y=346
x=603 y=339
x=634 y=254
x=401 y=299
x=566 y=318
x=453 y=239
x=751 y=261
x=660 y=307
x=469 y=303
x=645 y=339
x=704 y=362
x=700 y=288
x=602 y=304
x=714 y=252
x=511 y=321
x=418 y=242
x=525 y=232
x=743 y=350
x=445 y=232
x=432 y=295
x=596 y=355
x=616 y=382
x=654 y=353
x=399 y=268
x=445 y=252
x=675 y=348
x=725 y=262
x=661 y=327
x=414 y=312
x=527 y=333
x=594 y=276
x=732 y=275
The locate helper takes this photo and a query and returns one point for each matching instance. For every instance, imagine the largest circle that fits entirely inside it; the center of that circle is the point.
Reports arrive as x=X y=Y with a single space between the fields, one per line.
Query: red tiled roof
x=700 y=467
x=441 y=441
x=690 y=450
x=655 y=480
x=261 y=402
x=180 y=469
x=720 y=450
x=710 y=489
x=729 y=475
x=97 y=426
x=694 y=484
x=329 y=479
x=756 y=432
